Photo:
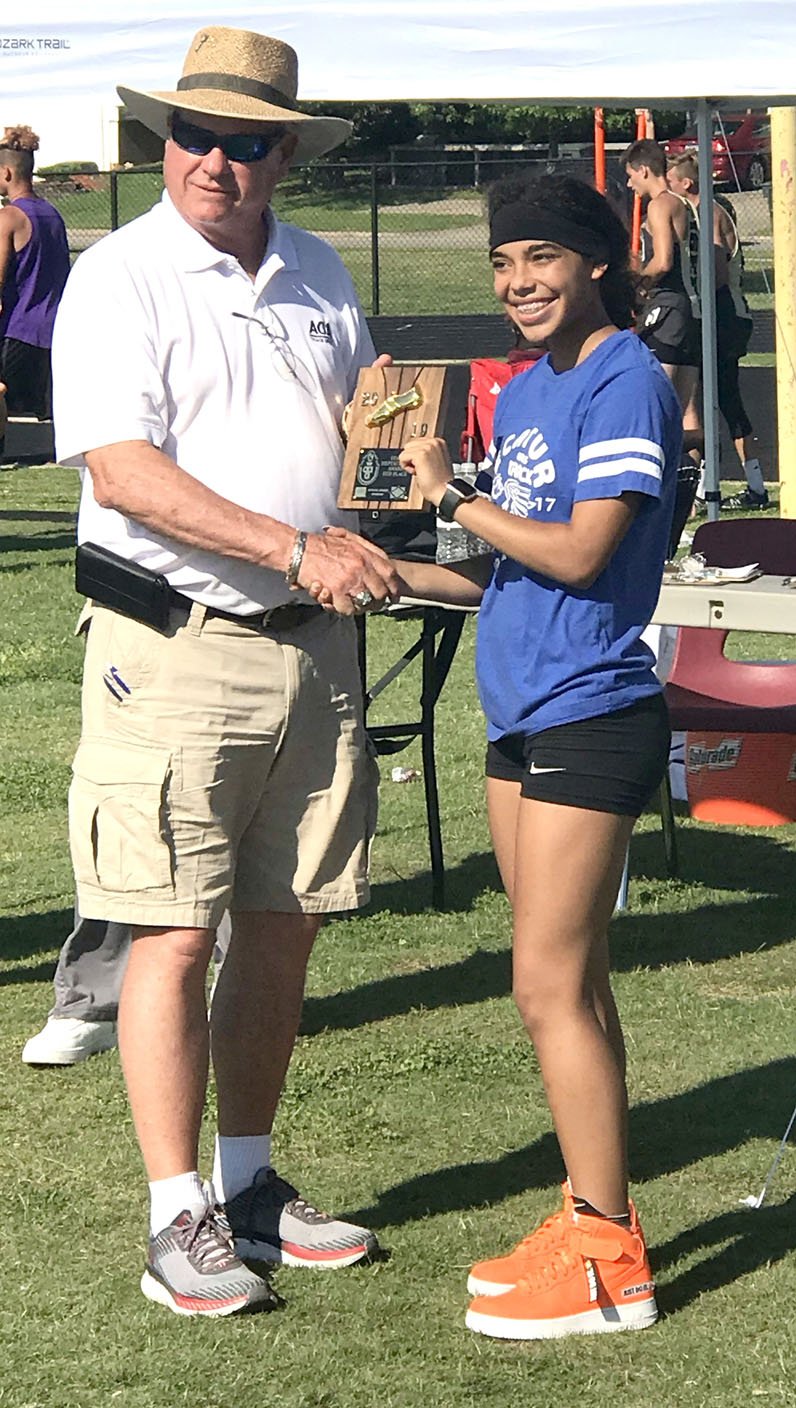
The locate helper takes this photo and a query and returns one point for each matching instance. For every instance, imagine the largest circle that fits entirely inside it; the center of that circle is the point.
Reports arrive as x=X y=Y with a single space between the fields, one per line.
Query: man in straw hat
x=203 y=357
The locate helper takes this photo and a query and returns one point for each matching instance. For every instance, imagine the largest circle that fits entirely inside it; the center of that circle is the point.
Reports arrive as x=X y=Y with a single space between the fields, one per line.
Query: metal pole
x=114 y=200
x=783 y=177
x=599 y=149
x=635 y=236
x=707 y=281
x=757 y=1202
x=374 y=241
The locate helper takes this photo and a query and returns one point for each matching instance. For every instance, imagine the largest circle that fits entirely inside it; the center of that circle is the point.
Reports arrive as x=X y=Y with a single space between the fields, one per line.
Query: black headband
x=525 y=221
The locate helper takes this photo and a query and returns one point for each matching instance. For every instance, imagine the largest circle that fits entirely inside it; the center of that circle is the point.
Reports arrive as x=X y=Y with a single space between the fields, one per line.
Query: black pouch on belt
x=124 y=586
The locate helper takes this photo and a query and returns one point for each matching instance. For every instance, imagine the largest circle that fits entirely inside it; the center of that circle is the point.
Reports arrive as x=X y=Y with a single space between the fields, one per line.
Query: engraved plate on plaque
x=391 y=405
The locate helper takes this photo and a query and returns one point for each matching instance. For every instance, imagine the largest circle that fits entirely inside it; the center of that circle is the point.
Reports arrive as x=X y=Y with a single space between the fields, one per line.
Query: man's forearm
x=144 y=484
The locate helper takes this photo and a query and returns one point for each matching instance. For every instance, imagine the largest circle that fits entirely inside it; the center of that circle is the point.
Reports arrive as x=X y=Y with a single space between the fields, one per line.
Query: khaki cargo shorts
x=219 y=768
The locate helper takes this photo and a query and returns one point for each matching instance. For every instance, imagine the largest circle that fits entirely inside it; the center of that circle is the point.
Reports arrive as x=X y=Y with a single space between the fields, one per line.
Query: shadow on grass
x=28 y=973
x=25 y=936
x=744 y=1240
x=36 y=515
x=700 y=935
x=12 y=568
x=463 y=884
x=703 y=934
x=718 y=857
x=665 y=1136
x=476 y=978
x=650 y=941
x=49 y=541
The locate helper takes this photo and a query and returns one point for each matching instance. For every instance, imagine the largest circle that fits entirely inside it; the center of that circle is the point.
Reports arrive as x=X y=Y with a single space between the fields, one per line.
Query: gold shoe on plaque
x=393 y=405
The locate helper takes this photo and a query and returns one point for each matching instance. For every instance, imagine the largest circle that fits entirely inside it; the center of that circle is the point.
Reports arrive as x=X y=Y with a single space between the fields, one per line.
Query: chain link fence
x=413 y=234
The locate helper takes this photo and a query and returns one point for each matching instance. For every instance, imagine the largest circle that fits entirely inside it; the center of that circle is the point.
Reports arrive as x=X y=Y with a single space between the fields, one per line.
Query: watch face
x=457 y=492
x=467 y=491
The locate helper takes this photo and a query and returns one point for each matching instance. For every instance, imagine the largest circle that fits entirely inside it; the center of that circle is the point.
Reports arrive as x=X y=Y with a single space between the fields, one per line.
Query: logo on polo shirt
x=321 y=331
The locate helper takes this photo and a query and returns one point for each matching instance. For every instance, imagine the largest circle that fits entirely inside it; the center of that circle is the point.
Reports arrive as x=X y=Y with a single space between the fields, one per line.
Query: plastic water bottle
x=455 y=543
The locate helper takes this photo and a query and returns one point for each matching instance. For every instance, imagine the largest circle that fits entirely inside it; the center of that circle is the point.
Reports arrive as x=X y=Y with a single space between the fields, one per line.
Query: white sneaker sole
x=35 y=1055
x=485 y=1288
x=591 y=1322
x=155 y=1290
x=264 y=1251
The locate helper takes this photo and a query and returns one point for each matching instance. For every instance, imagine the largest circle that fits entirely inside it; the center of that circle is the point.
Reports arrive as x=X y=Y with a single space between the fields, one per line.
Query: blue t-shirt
x=549 y=654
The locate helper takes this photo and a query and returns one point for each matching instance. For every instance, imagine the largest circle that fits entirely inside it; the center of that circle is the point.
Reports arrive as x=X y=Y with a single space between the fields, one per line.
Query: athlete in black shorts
x=668 y=321
x=586 y=446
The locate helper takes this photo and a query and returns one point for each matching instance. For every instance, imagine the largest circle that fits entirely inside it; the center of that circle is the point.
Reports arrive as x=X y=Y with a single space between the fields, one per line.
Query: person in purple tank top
x=34 y=263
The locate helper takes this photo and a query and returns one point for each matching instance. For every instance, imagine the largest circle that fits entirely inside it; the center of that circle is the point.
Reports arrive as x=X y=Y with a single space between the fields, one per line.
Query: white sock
x=171 y=1196
x=754 y=476
x=237 y=1159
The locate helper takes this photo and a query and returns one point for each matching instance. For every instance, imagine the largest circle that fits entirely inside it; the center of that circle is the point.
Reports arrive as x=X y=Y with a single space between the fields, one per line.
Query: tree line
x=379 y=126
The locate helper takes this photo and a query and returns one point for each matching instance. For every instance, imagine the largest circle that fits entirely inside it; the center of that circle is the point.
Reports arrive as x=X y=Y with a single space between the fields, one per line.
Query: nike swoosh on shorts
x=534 y=769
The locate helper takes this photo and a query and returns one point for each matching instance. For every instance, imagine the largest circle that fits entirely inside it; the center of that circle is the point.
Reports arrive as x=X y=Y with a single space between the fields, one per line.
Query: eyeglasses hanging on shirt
x=290 y=366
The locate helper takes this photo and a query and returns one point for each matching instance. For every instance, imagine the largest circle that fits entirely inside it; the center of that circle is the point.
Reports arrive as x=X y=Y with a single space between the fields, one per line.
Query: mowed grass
x=414 y=1102
x=441 y=267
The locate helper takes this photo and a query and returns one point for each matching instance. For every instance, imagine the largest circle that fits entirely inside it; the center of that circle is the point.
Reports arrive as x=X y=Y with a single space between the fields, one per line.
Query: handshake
x=343 y=572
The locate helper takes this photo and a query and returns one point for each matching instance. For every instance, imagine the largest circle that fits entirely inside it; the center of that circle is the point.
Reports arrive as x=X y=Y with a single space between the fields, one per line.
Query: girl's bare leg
x=566 y=871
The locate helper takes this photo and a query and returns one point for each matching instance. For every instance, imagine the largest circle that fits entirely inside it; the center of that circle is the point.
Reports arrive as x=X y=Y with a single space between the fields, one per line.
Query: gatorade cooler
x=742 y=779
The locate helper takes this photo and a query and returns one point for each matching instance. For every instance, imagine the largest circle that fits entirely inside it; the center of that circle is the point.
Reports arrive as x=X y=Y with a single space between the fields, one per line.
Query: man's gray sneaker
x=270 y=1222
x=193 y=1269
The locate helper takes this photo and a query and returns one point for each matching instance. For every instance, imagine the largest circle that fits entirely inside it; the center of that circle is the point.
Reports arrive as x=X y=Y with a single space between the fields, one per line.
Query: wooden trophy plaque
x=391 y=405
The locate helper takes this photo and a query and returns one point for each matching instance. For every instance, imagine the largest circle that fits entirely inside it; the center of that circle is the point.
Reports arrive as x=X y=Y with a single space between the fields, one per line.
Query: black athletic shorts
x=614 y=763
x=26 y=372
x=733 y=334
x=668 y=327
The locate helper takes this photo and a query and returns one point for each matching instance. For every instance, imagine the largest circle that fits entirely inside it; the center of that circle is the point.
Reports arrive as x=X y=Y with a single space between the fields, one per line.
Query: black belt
x=278 y=618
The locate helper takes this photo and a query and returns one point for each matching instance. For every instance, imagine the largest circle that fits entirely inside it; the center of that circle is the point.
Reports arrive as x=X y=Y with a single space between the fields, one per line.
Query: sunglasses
x=236 y=146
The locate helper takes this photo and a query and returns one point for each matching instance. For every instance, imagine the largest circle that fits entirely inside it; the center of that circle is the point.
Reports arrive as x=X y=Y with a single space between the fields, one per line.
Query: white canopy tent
x=59 y=73
x=63 y=65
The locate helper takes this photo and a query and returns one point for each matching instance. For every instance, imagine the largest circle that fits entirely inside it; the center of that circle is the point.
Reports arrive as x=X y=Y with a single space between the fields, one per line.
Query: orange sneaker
x=501 y=1274
x=596 y=1278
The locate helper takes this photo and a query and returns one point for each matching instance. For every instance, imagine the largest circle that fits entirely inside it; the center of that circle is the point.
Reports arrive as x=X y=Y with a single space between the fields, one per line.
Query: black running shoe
x=746 y=500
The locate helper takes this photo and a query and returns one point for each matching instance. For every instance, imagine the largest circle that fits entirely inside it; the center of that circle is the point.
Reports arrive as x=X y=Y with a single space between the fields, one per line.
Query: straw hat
x=236 y=73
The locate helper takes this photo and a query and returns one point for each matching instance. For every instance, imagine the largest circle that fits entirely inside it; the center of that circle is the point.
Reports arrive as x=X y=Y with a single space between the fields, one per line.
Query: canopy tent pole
x=599 y=150
x=635 y=231
x=710 y=398
x=783 y=214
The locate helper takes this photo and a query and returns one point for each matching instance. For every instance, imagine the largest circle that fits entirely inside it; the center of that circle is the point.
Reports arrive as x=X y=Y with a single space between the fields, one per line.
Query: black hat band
x=233 y=83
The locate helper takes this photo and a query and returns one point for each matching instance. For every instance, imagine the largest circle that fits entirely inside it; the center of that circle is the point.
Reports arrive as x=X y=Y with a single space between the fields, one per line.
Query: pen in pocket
x=114 y=682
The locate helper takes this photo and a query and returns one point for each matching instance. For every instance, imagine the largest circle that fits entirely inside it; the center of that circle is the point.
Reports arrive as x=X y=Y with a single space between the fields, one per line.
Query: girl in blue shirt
x=580 y=481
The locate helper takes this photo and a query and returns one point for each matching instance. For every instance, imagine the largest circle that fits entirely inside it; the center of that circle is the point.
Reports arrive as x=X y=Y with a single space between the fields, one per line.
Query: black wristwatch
x=458 y=491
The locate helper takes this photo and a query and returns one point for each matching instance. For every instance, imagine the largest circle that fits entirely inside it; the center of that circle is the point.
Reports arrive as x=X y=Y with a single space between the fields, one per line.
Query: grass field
x=414 y=1102
x=432 y=243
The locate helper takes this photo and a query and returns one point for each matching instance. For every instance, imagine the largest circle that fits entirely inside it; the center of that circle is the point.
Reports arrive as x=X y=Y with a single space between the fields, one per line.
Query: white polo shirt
x=161 y=337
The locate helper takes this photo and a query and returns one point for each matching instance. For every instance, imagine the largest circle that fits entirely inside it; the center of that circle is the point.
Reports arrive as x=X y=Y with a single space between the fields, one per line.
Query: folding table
x=439 y=635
